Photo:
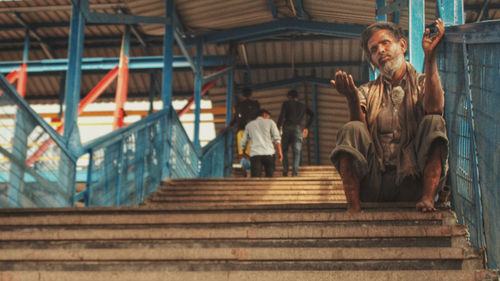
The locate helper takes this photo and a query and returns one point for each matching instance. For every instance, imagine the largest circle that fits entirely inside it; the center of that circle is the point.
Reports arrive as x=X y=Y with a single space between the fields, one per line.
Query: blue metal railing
x=470 y=66
x=23 y=183
x=125 y=166
x=217 y=152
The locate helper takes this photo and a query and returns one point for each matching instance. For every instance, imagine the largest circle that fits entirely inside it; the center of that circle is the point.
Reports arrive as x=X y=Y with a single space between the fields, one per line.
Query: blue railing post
x=119 y=181
x=140 y=147
x=89 y=178
x=197 y=93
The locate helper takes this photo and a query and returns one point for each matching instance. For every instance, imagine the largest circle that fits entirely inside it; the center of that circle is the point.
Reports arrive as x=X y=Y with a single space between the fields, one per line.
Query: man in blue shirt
x=263 y=133
x=291 y=116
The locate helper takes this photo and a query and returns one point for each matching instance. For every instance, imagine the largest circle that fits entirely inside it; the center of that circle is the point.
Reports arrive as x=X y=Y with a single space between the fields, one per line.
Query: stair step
x=226 y=231
x=147 y=216
x=337 y=196
x=233 y=243
x=252 y=187
x=239 y=192
x=161 y=273
x=262 y=180
x=389 y=254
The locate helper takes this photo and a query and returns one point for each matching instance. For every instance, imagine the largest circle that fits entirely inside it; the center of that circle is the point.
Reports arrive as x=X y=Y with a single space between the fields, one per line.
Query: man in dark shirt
x=290 y=121
x=247 y=110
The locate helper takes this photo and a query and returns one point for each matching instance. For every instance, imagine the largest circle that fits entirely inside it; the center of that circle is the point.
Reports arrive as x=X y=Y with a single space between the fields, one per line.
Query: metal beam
x=451 y=12
x=56 y=8
x=379 y=5
x=483 y=10
x=476 y=7
x=272 y=7
x=395 y=6
x=301 y=12
x=154 y=62
x=474 y=33
x=45 y=47
x=73 y=80
x=104 y=18
x=284 y=25
x=217 y=74
x=197 y=94
x=184 y=50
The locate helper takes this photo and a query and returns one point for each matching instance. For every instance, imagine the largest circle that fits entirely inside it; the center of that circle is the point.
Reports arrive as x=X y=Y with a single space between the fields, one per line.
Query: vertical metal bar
x=23 y=70
x=272 y=7
x=416 y=28
x=315 y=124
x=168 y=45
x=166 y=87
x=61 y=93
x=197 y=93
x=397 y=16
x=152 y=84
x=473 y=150
x=229 y=97
x=380 y=4
x=89 y=178
x=451 y=12
x=140 y=148
x=73 y=78
x=122 y=83
x=119 y=181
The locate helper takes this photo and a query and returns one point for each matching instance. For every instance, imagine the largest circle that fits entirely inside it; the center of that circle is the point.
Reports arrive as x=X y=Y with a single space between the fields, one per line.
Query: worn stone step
x=390 y=254
x=222 y=203
x=283 y=180
x=233 y=243
x=164 y=273
x=339 y=196
x=228 y=231
x=146 y=216
x=252 y=187
x=256 y=192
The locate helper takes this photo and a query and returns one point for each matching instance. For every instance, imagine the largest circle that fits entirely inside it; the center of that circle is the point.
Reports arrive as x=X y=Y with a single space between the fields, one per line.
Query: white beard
x=391 y=67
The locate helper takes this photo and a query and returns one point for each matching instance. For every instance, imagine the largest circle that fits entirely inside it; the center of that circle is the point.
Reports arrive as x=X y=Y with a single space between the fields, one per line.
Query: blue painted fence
x=124 y=167
x=470 y=71
x=47 y=183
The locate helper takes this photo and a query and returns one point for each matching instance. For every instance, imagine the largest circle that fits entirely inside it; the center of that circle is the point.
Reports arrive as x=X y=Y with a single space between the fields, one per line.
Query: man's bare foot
x=426 y=206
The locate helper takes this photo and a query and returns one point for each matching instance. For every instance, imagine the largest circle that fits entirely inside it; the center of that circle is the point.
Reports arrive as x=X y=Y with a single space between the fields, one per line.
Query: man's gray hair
x=395 y=30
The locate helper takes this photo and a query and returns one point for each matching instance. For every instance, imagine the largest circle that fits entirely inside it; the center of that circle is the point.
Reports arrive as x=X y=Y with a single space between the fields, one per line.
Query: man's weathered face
x=386 y=53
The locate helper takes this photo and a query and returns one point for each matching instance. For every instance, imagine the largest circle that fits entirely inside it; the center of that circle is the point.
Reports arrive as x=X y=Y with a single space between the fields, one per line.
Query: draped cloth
x=371 y=98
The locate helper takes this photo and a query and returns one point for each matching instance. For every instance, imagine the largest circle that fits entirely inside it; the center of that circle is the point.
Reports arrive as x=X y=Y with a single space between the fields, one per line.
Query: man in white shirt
x=263 y=133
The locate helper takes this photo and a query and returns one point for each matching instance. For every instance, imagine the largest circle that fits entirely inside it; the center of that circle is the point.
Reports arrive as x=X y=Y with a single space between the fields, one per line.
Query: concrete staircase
x=238 y=229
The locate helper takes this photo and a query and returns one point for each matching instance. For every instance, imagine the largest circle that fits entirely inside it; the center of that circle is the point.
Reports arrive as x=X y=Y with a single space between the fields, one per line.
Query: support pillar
x=122 y=83
x=416 y=28
x=197 y=93
x=73 y=80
